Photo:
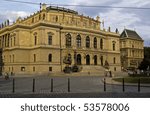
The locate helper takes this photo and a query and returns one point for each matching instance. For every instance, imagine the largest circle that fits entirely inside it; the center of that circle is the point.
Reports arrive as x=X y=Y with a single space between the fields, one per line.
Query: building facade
x=132 y=49
x=40 y=43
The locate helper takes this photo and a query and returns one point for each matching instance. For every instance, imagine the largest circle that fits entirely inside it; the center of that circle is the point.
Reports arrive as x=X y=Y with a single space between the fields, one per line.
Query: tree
x=144 y=64
x=146 y=61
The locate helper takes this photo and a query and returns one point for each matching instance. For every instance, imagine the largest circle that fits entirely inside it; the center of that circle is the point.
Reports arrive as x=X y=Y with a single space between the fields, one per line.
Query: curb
x=113 y=82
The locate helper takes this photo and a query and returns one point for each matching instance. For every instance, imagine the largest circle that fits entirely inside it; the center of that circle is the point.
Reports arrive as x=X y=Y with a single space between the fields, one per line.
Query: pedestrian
x=6 y=76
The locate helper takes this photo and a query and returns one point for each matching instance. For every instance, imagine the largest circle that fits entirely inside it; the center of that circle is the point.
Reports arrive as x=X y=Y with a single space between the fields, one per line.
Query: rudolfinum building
x=55 y=38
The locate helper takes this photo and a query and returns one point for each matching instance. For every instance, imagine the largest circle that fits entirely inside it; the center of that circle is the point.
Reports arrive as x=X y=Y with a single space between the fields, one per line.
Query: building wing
x=130 y=34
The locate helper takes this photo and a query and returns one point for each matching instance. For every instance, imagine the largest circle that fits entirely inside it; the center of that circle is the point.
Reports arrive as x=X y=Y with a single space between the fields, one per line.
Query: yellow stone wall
x=19 y=54
x=132 y=50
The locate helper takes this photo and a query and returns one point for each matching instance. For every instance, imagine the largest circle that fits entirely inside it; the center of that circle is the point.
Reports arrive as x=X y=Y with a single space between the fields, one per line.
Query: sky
x=134 y=19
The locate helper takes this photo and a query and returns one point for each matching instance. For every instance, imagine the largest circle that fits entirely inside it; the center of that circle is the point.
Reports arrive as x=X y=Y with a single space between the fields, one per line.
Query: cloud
x=133 y=3
x=116 y=18
x=12 y=15
x=120 y=18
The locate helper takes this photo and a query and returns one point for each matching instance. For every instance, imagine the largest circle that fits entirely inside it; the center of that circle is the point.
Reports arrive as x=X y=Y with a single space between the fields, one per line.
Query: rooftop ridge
x=131 y=34
x=58 y=8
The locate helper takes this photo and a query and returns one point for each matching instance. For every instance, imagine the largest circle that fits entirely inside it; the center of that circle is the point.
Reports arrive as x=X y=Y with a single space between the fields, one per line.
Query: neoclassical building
x=132 y=49
x=40 y=43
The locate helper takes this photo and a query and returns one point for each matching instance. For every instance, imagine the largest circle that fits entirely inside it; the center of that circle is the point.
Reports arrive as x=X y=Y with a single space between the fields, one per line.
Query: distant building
x=41 y=42
x=132 y=49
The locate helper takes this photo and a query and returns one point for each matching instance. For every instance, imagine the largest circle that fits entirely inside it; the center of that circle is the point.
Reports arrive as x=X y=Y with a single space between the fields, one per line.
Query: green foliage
x=147 y=53
x=146 y=61
x=144 y=64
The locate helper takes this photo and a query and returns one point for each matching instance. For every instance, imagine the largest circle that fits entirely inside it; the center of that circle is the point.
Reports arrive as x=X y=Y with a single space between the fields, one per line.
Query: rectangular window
x=13 y=58
x=50 y=58
x=34 y=58
x=10 y=58
x=10 y=42
x=49 y=39
x=33 y=69
x=23 y=69
x=114 y=47
x=50 y=68
x=14 y=41
x=5 y=41
x=114 y=60
x=35 y=40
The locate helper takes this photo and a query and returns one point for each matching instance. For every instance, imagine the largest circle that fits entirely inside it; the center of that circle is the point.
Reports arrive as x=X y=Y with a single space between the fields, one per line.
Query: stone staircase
x=93 y=69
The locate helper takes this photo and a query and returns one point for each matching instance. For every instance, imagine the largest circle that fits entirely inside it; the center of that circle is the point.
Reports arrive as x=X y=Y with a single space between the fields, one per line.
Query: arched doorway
x=95 y=60
x=78 y=59
x=87 y=60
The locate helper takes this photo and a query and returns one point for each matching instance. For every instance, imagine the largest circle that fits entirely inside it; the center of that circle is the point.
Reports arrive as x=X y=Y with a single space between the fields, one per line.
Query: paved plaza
x=78 y=86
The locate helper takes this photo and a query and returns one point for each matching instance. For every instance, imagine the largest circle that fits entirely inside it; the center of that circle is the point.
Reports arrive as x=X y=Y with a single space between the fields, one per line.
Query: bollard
x=104 y=84
x=68 y=84
x=33 y=87
x=123 y=88
x=13 y=86
x=51 y=85
x=139 y=85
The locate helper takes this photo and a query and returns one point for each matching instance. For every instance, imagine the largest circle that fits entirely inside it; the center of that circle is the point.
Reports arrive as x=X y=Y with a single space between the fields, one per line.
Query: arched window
x=78 y=59
x=87 y=42
x=102 y=61
x=95 y=42
x=78 y=40
x=68 y=40
x=101 y=44
x=50 y=58
x=114 y=60
x=114 y=45
x=43 y=16
x=35 y=38
x=95 y=60
x=87 y=60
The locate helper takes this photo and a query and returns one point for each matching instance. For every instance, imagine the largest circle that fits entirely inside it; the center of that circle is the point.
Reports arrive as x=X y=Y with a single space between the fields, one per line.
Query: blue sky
x=138 y=20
